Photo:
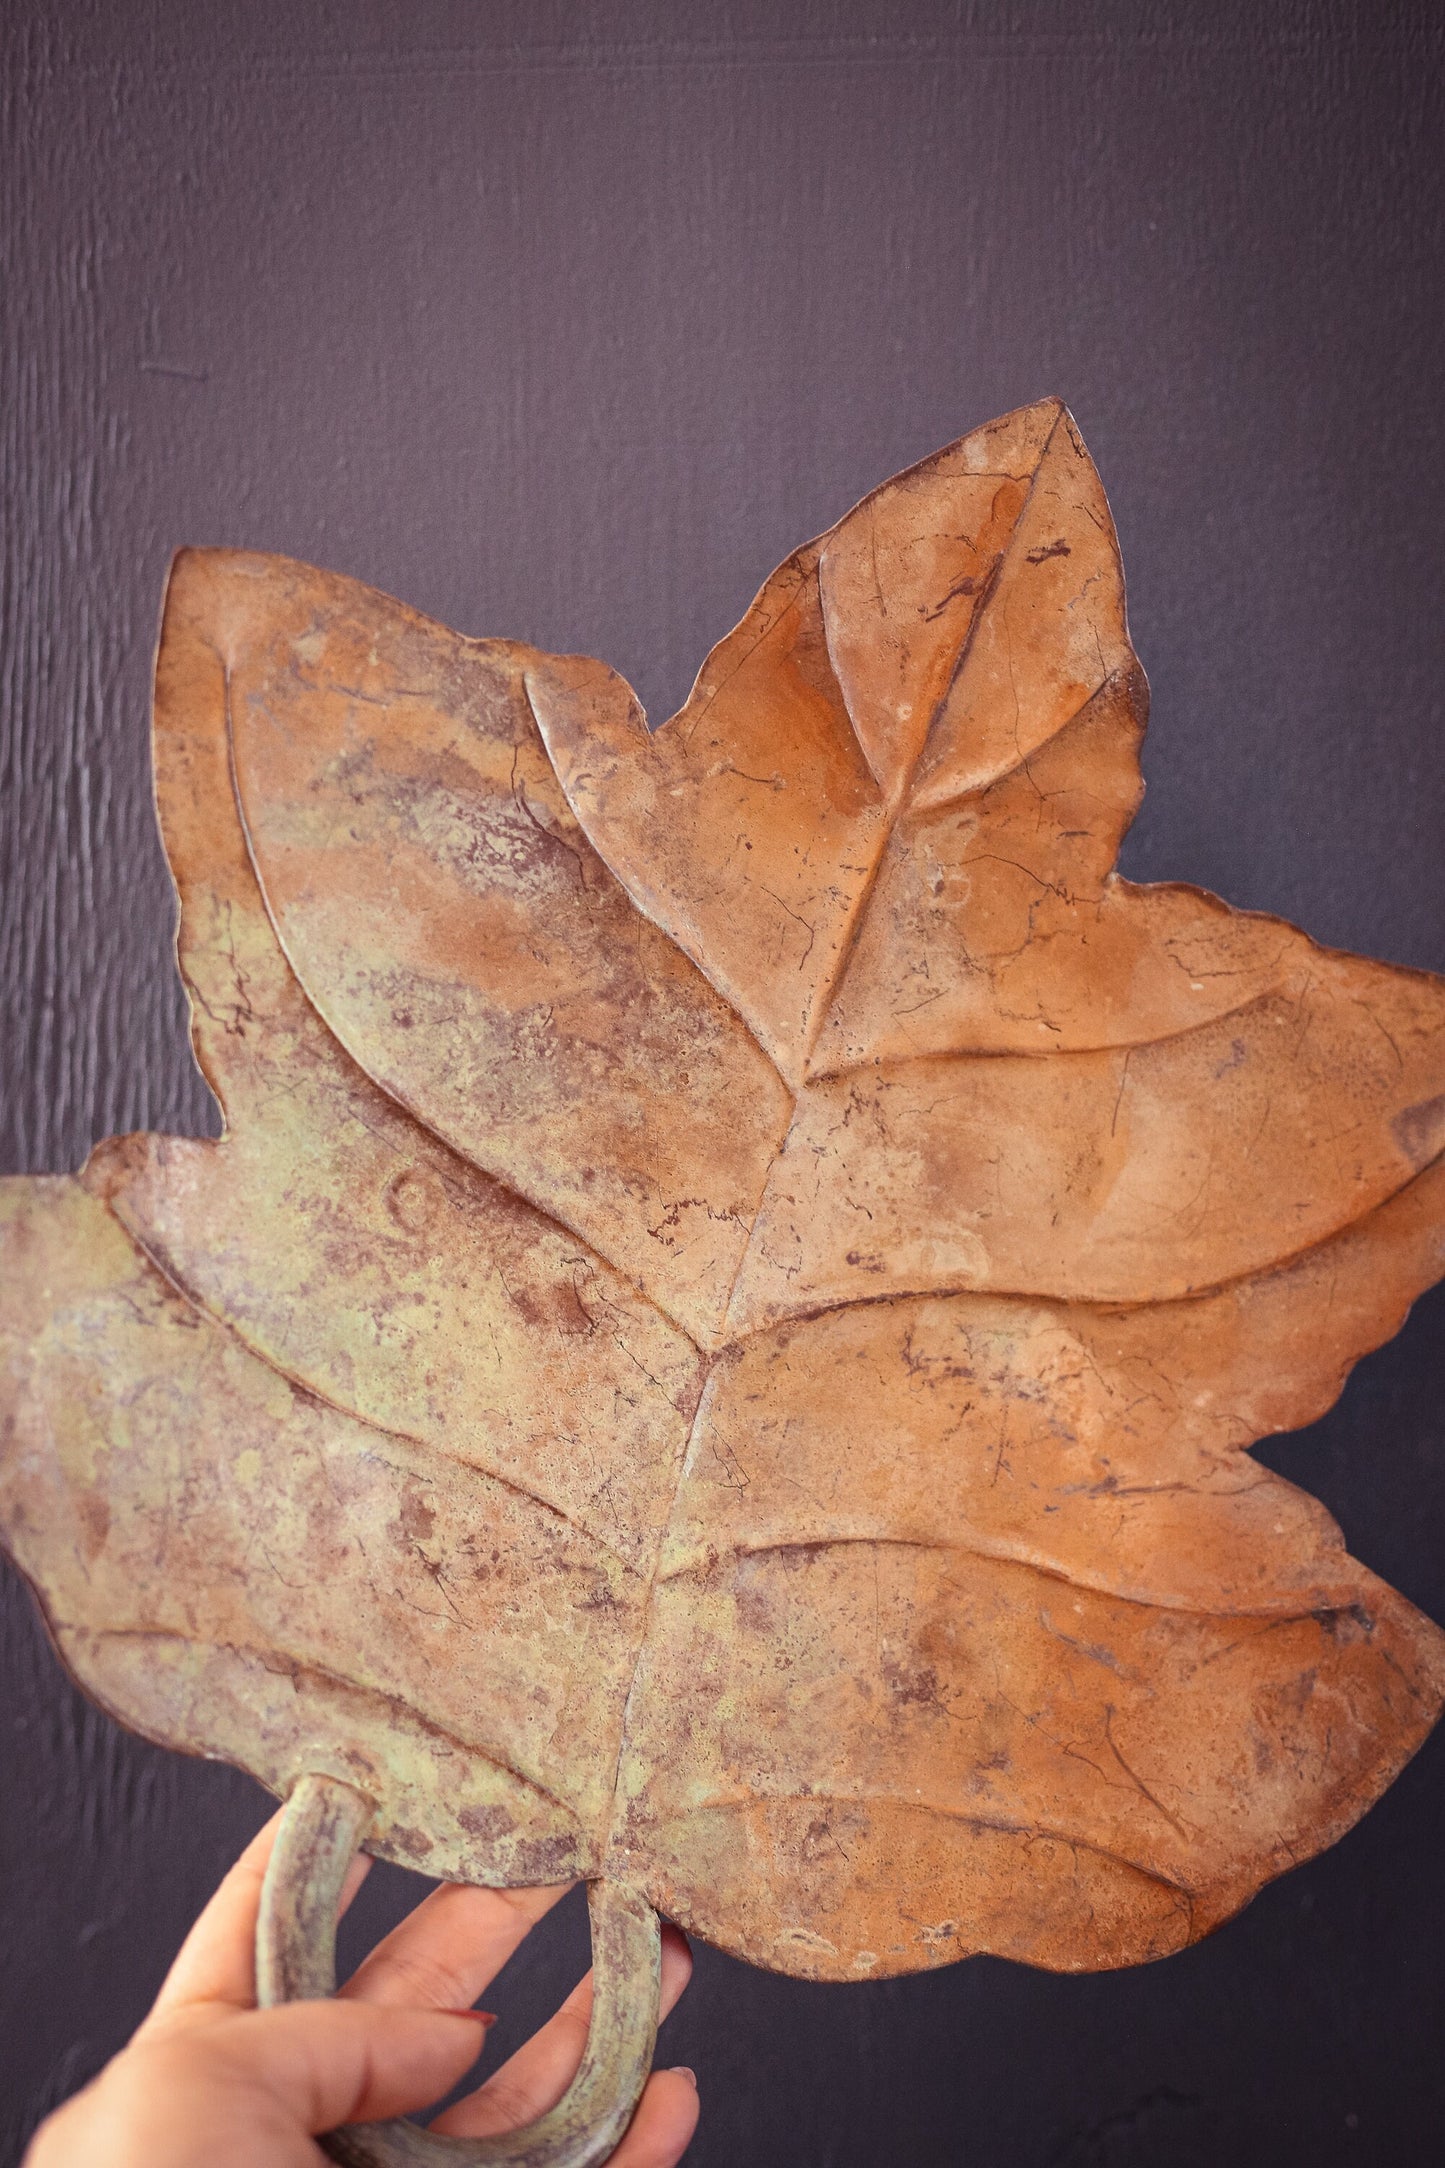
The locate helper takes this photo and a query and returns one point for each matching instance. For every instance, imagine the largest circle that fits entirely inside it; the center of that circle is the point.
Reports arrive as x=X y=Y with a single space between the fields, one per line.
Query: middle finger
x=534 y=2079
x=444 y=1953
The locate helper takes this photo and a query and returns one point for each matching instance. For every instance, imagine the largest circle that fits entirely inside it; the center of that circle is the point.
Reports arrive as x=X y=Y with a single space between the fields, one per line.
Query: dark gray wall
x=566 y=321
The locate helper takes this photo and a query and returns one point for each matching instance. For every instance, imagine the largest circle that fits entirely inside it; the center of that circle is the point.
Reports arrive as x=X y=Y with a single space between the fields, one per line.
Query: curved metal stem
x=322 y=1826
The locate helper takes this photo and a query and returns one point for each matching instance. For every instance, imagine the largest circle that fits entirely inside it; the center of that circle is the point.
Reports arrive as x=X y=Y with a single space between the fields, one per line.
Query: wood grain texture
x=690 y=285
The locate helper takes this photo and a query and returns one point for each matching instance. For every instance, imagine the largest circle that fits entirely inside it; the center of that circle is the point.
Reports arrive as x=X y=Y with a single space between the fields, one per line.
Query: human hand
x=210 y=2081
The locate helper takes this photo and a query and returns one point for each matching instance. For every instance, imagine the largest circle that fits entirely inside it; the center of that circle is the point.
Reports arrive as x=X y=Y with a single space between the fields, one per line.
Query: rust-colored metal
x=720 y=1345
x=296 y=1961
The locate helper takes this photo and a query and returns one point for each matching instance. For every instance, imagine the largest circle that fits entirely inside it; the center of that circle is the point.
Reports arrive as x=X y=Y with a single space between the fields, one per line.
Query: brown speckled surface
x=640 y=1388
x=689 y=286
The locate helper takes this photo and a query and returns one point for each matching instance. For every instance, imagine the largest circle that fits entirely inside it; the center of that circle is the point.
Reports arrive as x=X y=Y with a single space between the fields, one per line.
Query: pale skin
x=210 y=2081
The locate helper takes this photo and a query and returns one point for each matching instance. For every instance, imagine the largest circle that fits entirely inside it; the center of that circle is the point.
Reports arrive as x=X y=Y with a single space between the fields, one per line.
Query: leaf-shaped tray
x=719 y=1348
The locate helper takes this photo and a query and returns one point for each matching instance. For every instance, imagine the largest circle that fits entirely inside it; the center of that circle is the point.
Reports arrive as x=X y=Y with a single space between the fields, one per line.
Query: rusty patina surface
x=720 y=1345
x=296 y=1961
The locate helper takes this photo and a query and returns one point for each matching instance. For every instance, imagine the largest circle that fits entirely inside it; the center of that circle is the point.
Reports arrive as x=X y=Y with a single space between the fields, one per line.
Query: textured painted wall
x=566 y=321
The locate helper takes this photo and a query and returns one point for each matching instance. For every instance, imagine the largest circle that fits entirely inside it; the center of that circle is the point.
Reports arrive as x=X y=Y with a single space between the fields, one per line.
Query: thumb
x=351 y=2062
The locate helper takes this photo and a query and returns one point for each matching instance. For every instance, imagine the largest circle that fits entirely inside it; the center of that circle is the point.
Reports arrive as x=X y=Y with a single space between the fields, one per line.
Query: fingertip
x=258 y=1851
x=356 y=1874
x=469 y=2027
x=662 y=2128
x=676 y=1966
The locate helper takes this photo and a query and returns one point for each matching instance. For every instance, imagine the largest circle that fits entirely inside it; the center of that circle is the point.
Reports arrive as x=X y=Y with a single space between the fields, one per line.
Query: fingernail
x=482 y=2017
x=680 y=2070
